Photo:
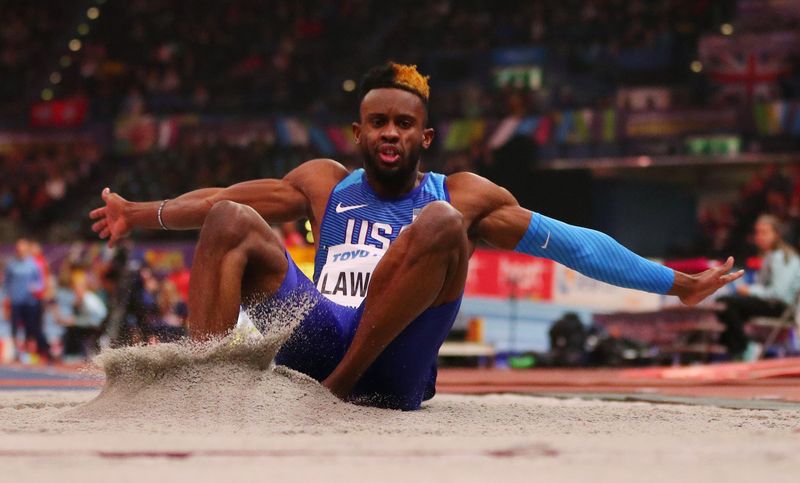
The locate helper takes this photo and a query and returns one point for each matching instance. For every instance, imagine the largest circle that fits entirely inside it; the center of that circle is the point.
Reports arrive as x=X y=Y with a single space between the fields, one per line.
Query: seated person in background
x=169 y=324
x=777 y=285
x=81 y=312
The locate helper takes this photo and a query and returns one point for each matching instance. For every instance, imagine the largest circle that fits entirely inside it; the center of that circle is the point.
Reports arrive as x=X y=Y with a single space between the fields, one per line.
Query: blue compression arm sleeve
x=593 y=254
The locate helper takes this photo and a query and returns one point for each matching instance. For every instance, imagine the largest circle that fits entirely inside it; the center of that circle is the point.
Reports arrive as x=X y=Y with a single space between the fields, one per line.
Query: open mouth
x=389 y=153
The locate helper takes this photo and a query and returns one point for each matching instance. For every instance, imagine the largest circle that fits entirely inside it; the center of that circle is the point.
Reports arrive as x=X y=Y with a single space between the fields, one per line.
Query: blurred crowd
x=40 y=176
x=285 y=57
x=28 y=32
x=169 y=173
x=246 y=57
x=726 y=227
x=94 y=297
x=66 y=302
x=280 y=55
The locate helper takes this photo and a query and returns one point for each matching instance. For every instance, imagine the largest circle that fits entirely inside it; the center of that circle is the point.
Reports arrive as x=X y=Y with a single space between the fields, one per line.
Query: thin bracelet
x=158 y=213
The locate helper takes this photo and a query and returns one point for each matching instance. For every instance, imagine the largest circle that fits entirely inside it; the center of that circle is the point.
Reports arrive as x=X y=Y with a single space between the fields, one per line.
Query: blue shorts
x=402 y=376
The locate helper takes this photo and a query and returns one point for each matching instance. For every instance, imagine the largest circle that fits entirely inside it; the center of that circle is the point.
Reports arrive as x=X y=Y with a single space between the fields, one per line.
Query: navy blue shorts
x=402 y=376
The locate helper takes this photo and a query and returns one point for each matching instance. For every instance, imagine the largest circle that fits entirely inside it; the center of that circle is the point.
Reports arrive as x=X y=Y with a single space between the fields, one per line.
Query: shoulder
x=315 y=173
x=476 y=197
x=465 y=180
x=321 y=167
x=477 y=189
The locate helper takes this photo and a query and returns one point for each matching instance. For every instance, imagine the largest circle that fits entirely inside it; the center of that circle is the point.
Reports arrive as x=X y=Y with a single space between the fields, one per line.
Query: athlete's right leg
x=237 y=257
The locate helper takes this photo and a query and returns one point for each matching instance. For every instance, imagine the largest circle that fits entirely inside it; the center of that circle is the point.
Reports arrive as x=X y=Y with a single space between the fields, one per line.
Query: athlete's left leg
x=425 y=267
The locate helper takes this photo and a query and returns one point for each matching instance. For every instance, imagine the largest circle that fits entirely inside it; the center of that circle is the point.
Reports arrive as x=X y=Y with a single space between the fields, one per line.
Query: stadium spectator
x=23 y=281
x=39 y=177
x=80 y=311
x=169 y=324
x=777 y=286
x=44 y=267
x=179 y=276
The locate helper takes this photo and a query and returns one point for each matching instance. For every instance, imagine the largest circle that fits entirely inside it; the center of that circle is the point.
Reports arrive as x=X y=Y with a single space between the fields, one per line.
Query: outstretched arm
x=276 y=200
x=505 y=224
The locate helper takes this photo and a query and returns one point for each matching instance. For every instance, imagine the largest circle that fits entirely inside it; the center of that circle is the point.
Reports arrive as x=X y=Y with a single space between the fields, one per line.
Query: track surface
x=775 y=380
x=738 y=425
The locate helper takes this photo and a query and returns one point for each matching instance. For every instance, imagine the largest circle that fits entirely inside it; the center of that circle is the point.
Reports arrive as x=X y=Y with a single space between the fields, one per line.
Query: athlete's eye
x=406 y=123
x=378 y=122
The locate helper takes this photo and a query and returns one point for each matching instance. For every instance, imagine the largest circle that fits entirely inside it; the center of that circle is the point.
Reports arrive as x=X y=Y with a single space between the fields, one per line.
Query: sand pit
x=223 y=411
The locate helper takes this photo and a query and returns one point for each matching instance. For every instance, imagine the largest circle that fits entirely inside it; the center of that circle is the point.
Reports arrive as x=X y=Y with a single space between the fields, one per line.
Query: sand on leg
x=237 y=256
x=425 y=267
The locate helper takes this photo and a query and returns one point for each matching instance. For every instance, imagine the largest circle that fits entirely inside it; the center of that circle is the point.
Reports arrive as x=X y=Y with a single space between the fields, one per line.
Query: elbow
x=209 y=202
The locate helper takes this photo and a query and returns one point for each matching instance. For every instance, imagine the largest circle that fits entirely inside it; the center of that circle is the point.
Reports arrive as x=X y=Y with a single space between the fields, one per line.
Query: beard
x=394 y=176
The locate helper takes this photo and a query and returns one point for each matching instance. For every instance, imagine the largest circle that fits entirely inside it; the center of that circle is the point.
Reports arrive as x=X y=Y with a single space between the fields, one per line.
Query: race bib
x=345 y=277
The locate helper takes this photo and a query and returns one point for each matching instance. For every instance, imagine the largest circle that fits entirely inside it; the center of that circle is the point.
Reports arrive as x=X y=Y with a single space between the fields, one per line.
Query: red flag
x=60 y=113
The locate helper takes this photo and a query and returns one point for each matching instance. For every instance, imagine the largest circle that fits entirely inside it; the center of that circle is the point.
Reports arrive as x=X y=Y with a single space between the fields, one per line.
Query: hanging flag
x=504 y=131
x=748 y=66
x=321 y=141
x=609 y=126
x=528 y=126
x=60 y=113
x=476 y=131
x=282 y=132
x=298 y=133
x=544 y=130
x=341 y=138
x=794 y=129
x=564 y=122
x=580 y=132
x=760 y=118
x=462 y=133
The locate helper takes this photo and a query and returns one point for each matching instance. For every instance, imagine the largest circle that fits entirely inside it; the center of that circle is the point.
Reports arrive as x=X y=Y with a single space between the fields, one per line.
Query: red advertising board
x=502 y=274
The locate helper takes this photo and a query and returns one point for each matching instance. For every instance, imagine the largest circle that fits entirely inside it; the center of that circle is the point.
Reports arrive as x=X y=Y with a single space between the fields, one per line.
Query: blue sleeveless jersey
x=358 y=227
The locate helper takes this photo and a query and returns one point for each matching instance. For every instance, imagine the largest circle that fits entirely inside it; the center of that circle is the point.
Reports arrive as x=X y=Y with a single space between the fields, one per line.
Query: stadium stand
x=526 y=93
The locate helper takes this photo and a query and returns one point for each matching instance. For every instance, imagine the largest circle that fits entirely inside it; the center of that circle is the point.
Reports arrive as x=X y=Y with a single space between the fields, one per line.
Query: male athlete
x=405 y=234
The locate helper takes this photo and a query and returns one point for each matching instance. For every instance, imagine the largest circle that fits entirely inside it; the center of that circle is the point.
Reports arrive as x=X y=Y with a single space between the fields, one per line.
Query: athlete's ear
x=427 y=137
x=357 y=132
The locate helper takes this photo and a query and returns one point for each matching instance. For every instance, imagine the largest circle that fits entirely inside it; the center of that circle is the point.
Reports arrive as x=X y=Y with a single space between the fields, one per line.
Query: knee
x=439 y=225
x=228 y=223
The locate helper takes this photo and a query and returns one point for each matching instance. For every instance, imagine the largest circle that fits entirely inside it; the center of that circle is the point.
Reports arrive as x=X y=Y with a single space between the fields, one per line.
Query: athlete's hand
x=112 y=222
x=693 y=289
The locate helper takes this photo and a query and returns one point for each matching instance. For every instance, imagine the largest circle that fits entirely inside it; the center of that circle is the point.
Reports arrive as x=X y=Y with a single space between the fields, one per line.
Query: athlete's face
x=391 y=135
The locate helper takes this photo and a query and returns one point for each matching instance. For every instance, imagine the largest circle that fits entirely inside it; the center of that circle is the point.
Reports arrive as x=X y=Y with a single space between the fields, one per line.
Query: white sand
x=226 y=415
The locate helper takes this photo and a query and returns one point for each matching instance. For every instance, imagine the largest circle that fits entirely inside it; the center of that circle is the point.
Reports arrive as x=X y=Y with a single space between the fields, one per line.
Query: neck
x=393 y=190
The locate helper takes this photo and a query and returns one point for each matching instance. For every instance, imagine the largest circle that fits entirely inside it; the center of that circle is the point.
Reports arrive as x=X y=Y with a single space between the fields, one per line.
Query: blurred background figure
x=81 y=312
x=776 y=287
x=169 y=323
x=24 y=283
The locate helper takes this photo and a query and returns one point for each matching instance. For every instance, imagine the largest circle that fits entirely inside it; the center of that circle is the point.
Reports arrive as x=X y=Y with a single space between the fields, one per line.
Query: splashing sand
x=228 y=413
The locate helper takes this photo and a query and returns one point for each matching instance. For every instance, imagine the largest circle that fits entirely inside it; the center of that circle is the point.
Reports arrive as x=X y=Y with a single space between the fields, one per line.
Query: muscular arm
x=496 y=218
x=276 y=200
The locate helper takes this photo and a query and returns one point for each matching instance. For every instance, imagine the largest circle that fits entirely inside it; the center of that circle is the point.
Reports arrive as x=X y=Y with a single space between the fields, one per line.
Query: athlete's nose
x=390 y=133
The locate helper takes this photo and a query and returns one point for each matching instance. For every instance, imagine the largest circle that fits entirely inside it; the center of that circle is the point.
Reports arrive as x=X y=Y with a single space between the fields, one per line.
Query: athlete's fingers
x=732 y=276
x=100 y=225
x=104 y=233
x=726 y=267
x=105 y=193
x=97 y=212
x=730 y=262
